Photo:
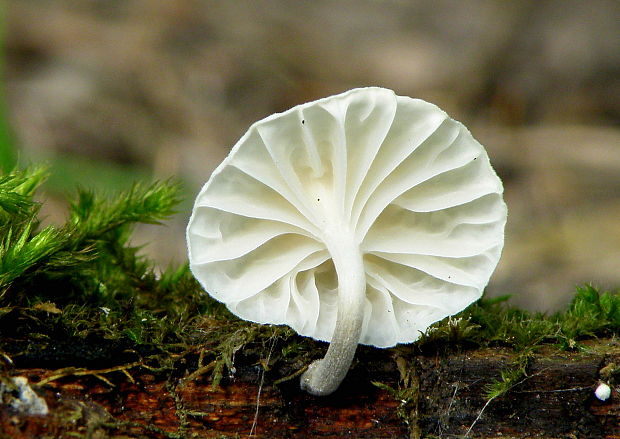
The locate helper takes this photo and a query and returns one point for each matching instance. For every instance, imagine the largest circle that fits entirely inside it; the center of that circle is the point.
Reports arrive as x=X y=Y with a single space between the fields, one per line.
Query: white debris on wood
x=17 y=394
x=603 y=392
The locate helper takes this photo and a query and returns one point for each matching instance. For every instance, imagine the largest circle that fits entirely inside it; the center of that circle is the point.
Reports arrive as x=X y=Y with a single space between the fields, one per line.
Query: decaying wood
x=554 y=400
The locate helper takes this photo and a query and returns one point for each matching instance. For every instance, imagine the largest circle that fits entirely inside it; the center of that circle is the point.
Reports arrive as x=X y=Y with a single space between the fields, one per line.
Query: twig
x=6 y=359
x=129 y=377
x=104 y=379
x=200 y=371
x=479 y=416
x=72 y=371
x=291 y=376
x=260 y=388
x=572 y=389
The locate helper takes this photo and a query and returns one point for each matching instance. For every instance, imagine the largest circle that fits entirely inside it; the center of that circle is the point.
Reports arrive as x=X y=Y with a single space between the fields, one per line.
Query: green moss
x=407 y=392
x=491 y=322
x=102 y=289
x=81 y=296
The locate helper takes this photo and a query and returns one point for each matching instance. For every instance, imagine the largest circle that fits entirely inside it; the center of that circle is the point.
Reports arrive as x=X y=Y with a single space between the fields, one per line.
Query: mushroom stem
x=324 y=376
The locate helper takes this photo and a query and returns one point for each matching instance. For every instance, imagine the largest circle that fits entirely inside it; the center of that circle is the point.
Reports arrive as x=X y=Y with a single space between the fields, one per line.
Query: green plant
x=88 y=256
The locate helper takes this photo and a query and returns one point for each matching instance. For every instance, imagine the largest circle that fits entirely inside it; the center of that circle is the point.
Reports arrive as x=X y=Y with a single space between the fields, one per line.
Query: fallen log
x=387 y=394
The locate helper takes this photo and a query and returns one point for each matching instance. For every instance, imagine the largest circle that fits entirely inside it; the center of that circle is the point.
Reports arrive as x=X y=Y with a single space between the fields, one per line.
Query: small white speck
x=603 y=392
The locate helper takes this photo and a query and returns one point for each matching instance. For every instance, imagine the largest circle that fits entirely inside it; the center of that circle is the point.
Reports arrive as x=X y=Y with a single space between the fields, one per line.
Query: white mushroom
x=359 y=218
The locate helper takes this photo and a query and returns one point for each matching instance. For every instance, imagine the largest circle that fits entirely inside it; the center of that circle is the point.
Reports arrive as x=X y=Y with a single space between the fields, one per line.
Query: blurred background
x=112 y=91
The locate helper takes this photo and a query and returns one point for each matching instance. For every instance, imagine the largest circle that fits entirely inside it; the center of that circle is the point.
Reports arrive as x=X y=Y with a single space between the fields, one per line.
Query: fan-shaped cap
x=413 y=187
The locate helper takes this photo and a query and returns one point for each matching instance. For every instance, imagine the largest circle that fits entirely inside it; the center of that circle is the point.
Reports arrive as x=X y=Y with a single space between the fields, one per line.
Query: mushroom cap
x=415 y=188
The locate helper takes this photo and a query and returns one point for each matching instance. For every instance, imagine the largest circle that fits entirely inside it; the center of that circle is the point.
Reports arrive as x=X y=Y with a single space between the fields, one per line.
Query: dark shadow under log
x=440 y=396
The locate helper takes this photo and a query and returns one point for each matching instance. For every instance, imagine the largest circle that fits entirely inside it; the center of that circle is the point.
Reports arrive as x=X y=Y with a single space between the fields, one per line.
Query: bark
x=434 y=396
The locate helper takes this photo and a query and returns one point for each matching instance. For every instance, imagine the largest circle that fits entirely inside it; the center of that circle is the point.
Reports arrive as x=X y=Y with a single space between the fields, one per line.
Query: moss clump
x=63 y=288
x=491 y=322
x=80 y=297
x=87 y=259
